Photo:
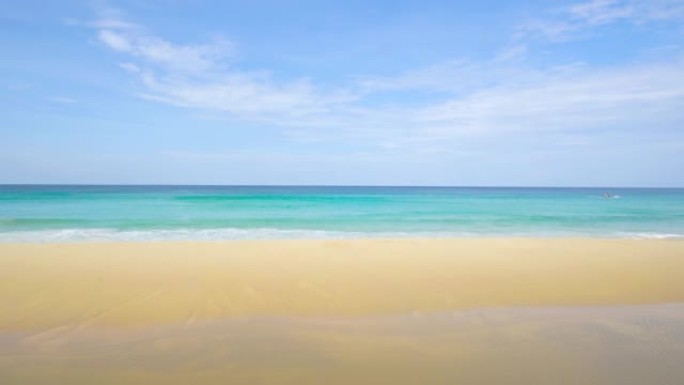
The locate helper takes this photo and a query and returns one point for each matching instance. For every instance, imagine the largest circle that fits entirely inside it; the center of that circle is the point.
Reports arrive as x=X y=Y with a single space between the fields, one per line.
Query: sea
x=77 y=213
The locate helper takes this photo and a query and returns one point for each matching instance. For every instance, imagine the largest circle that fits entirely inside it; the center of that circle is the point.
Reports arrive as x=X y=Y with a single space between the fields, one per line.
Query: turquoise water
x=75 y=213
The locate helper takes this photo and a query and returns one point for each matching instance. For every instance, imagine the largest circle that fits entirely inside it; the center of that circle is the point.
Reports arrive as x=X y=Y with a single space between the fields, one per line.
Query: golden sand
x=124 y=284
x=338 y=312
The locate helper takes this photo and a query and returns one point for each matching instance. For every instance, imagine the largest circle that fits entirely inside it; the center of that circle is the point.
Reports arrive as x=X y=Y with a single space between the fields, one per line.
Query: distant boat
x=608 y=195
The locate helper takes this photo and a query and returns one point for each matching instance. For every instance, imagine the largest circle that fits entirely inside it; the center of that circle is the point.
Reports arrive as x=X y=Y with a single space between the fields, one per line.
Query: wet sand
x=488 y=311
x=573 y=345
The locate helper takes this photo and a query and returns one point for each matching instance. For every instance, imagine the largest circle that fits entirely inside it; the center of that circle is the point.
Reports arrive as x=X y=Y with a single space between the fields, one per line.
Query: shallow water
x=139 y=213
x=570 y=345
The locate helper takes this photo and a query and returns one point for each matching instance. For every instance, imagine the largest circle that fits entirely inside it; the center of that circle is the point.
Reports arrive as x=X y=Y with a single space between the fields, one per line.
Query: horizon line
x=326 y=185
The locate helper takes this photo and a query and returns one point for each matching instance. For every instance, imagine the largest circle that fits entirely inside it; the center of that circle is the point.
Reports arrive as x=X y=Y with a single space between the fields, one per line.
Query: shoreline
x=478 y=238
x=33 y=240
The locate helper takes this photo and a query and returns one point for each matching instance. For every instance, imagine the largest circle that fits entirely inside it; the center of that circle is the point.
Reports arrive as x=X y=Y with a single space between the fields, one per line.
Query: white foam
x=651 y=235
x=114 y=235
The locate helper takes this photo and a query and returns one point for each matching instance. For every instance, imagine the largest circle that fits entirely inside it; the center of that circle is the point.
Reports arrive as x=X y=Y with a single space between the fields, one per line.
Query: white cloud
x=578 y=18
x=549 y=29
x=580 y=99
x=457 y=101
x=249 y=95
x=115 y=41
x=602 y=11
x=112 y=18
x=131 y=39
x=199 y=76
x=130 y=67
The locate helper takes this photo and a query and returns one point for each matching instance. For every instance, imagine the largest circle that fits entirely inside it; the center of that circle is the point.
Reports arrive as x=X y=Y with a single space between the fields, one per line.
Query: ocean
x=71 y=213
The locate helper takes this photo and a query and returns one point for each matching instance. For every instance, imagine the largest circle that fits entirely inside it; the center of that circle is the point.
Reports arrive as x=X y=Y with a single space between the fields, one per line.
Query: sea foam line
x=114 y=235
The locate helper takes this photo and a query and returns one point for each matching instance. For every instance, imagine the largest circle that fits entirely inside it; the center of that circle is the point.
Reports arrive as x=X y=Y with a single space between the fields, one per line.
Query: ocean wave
x=114 y=235
x=650 y=235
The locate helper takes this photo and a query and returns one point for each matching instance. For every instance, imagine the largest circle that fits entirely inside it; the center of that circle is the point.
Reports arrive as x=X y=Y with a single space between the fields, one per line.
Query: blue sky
x=521 y=93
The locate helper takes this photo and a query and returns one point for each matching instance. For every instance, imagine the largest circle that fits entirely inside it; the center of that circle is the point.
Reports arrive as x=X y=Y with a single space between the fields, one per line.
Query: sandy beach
x=492 y=311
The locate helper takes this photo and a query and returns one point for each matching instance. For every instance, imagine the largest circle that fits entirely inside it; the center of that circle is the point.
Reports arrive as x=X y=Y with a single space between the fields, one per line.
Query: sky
x=462 y=93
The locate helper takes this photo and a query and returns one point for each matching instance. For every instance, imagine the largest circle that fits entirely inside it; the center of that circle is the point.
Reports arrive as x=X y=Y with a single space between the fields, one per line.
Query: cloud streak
x=575 y=20
x=200 y=76
x=577 y=99
x=164 y=54
x=455 y=101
